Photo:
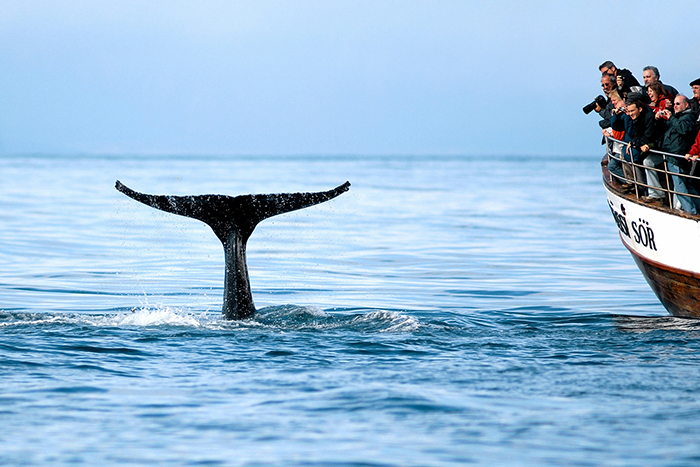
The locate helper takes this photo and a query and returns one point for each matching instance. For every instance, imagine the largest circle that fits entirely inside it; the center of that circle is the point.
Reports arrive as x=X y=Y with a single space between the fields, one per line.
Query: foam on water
x=155 y=317
x=280 y=318
x=143 y=317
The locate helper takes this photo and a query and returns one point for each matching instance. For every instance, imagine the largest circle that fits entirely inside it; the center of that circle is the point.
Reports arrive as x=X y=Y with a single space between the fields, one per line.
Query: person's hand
x=628 y=150
x=644 y=148
x=606 y=133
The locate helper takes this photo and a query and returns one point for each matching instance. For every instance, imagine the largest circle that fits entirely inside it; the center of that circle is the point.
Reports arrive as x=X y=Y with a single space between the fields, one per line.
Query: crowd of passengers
x=651 y=116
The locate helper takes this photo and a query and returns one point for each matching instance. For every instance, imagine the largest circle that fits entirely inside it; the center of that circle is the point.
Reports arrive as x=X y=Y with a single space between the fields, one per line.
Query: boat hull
x=665 y=244
x=678 y=291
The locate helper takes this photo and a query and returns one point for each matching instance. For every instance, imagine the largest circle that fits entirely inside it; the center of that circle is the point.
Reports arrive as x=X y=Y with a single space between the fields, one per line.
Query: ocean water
x=445 y=311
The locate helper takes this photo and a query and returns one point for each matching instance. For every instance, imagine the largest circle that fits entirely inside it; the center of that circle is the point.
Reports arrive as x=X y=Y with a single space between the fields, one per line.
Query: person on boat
x=678 y=139
x=642 y=130
x=608 y=68
x=617 y=129
x=651 y=75
x=661 y=100
x=695 y=101
x=640 y=136
x=608 y=83
x=662 y=106
x=694 y=152
x=620 y=124
x=617 y=104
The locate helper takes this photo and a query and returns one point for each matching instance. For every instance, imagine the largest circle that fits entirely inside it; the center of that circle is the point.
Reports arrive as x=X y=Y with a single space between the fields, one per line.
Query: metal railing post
x=668 y=183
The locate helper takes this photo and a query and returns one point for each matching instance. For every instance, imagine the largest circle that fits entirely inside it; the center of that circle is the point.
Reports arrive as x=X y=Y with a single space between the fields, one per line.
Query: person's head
x=653 y=95
x=608 y=68
x=616 y=99
x=634 y=109
x=608 y=83
x=656 y=91
x=695 y=85
x=650 y=75
x=680 y=103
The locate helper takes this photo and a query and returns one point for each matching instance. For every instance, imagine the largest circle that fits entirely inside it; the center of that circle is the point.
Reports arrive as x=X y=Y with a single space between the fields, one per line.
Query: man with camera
x=628 y=84
x=602 y=105
x=608 y=84
x=608 y=68
x=599 y=104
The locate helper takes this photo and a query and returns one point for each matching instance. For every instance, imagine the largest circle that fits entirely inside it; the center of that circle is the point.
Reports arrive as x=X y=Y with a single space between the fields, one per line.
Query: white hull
x=665 y=244
x=657 y=235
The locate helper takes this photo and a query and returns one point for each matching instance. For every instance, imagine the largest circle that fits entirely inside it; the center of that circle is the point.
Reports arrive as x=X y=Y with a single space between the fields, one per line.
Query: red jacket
x=695 y=150
x=661 y=105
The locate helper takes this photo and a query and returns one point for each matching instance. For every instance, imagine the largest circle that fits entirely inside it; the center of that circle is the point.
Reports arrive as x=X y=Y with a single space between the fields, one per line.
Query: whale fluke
x=233 y=219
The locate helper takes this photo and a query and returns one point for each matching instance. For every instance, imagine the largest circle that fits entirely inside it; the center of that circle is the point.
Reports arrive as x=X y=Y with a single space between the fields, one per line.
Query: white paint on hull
x=656 y=235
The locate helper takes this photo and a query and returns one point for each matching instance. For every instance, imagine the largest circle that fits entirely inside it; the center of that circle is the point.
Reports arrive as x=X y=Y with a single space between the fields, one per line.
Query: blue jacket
x=621 y=122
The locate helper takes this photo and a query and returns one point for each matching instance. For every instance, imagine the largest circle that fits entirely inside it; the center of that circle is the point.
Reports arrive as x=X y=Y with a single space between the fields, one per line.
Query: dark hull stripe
x=678 y=290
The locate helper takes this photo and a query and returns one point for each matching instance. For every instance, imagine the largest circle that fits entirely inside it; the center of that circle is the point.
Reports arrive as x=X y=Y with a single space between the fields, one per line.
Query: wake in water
x=309 y=318
x=275 y=318
x=286 y=318
x=643 y=324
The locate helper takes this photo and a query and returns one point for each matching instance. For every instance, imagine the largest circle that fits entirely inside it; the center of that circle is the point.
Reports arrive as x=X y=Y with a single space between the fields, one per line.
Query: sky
x=503 y=77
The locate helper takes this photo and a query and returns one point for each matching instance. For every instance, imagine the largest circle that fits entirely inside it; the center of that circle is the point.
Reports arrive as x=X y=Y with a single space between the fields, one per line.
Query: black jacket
x=605 y=113
x=695 y=107
x=680 y=134
x=642 y=130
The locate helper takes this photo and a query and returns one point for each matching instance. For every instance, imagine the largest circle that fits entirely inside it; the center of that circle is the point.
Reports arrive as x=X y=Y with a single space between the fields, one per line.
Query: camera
x=600 y=100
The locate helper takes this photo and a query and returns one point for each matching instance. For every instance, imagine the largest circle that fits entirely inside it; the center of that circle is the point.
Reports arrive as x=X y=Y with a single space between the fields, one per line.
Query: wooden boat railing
x=663 y=172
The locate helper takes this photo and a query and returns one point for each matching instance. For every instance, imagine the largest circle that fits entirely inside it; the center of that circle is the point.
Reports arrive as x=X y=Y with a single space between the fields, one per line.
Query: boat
x=663 y=241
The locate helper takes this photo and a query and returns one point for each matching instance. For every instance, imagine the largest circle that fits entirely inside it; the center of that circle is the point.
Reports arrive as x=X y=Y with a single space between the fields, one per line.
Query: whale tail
x=224 y=213
x=233 y=219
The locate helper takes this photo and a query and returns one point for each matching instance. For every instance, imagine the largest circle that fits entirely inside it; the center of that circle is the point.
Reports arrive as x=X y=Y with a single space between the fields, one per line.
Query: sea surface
x=445 y=311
